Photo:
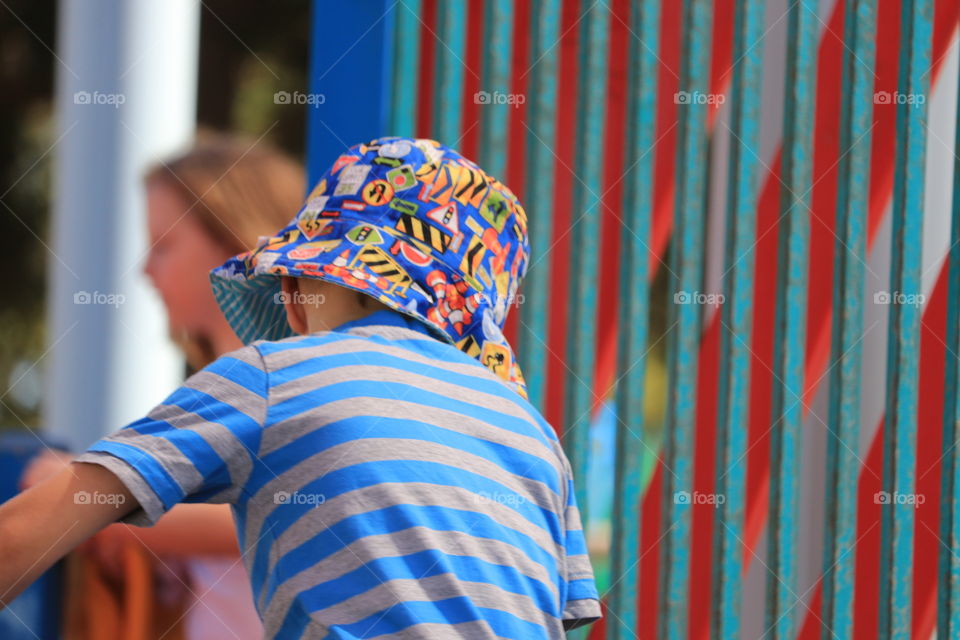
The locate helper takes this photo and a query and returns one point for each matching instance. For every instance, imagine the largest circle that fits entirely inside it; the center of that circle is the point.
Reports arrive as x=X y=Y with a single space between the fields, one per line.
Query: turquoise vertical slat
x=853 y=178
x=406 y=54
x=584 y=234
x=903 y=338
x=736 y=314
x=495 y=114
x=686 y=267
x=948 y=575
x=541 y=127
x=450 y=50
x=790 y=338
x=634 y=310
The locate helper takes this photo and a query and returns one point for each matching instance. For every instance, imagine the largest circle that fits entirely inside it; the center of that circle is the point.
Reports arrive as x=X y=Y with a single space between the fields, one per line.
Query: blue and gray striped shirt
x=383 y=483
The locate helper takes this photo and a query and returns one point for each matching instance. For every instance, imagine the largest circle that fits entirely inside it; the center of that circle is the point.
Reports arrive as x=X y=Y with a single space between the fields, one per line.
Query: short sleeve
x=198 y=445
x=582 y=604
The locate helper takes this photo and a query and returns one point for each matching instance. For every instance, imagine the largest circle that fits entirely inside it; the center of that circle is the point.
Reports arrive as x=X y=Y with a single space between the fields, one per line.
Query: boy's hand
x=44 y=523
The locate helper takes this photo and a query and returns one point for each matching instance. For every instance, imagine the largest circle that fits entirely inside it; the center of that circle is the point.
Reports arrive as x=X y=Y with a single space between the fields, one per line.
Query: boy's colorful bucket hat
x=409 y=222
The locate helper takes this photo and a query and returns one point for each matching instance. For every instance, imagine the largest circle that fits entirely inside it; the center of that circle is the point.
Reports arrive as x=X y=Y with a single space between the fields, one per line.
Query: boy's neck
x=339 y=305
x=328 y=321
x=314 y=305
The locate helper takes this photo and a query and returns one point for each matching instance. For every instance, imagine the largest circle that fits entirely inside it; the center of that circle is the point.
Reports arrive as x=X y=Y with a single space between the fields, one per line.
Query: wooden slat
x=585 y=233
x=541 y=126
x=633 y=325
x=496 y=100
x=733 y=402
x=843 y=439
x=686 y=266
x=406 y=55
x=450 y=49
x=903 y=338
x=791 y=305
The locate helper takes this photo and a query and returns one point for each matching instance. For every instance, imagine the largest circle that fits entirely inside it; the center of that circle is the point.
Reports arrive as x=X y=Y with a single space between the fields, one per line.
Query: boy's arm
x=174 y=534
x=44 y=523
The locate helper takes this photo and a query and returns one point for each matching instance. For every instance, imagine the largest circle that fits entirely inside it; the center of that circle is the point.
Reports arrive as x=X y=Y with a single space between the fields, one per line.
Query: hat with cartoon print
x=411 y=223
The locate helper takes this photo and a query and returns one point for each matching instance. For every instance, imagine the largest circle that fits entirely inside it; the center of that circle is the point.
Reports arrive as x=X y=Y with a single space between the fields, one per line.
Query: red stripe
x=705 y=456
x=611 y=194
x=471 y=125
x=929 y=451
x=556 y=369
x=517 y=130
x=668 y=83
x=721 y=57
x=704 y=481
x=761 y=345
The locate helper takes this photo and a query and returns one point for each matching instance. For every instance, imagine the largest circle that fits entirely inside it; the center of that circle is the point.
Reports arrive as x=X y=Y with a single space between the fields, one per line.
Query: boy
x=386 y=473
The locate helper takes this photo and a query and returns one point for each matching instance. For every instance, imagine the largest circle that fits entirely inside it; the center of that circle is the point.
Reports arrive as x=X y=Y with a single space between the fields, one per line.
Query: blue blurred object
x=603 y=433
x=349 y=66
x=36 y=613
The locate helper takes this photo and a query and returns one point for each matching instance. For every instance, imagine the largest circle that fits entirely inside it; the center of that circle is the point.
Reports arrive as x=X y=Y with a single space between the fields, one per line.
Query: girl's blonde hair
x=239 y=190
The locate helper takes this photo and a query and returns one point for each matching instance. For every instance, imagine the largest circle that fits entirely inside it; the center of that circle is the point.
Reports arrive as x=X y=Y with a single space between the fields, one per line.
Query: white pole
x=125 y=98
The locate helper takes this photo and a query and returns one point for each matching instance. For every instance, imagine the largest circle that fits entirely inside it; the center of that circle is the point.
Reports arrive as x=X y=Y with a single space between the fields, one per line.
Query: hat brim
x=252 y=306
x=252 y=302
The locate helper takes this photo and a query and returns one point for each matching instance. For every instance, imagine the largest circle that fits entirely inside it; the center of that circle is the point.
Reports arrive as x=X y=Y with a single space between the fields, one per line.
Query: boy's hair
x=409 y=222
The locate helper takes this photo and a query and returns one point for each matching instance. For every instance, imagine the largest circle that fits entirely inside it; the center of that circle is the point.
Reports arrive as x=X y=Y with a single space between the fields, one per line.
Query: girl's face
x=181 y=254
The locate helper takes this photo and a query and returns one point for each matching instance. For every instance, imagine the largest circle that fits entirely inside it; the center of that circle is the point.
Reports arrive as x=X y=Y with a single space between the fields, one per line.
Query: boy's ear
x=296 y=317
